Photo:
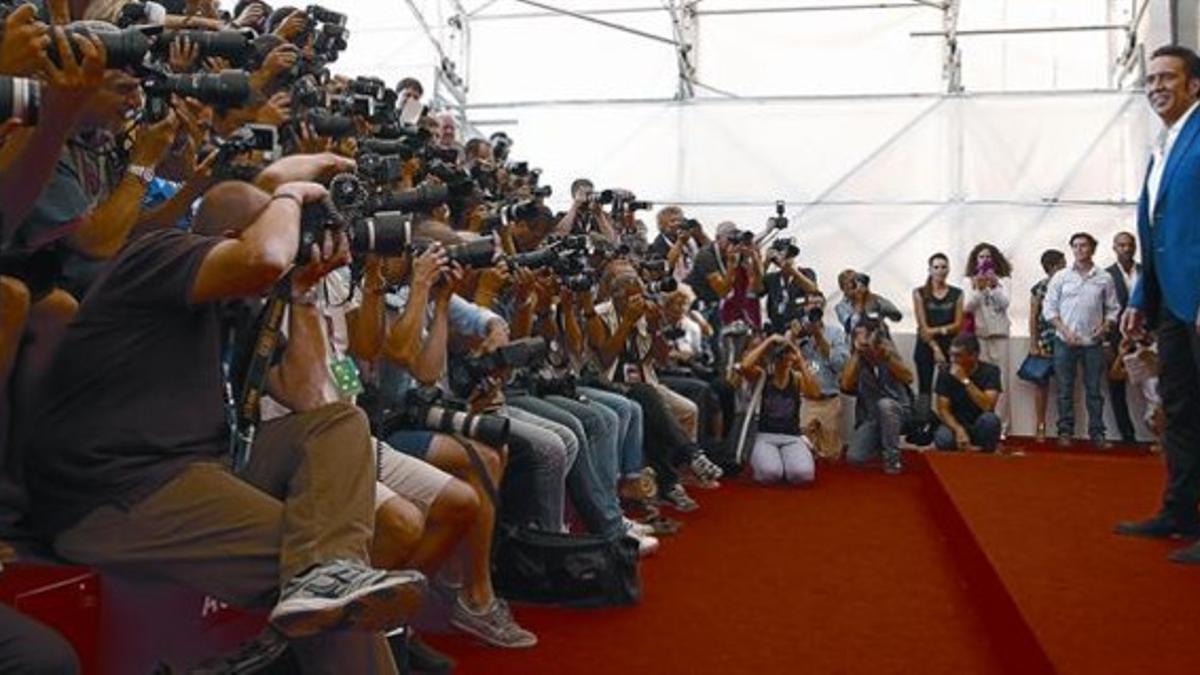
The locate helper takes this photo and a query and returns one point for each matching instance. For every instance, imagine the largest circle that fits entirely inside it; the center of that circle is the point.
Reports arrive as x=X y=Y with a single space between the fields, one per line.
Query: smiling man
x=1167 y=295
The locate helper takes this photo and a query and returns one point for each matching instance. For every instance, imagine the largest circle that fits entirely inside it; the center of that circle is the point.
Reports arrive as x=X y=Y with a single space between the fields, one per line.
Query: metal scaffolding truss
x=452 y=85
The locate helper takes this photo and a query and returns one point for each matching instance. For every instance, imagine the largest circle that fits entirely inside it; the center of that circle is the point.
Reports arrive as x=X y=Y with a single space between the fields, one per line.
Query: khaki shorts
x=405 y=476
x=821 y=421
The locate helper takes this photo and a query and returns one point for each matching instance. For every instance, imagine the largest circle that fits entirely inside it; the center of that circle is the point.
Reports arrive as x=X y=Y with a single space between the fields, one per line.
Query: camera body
x=786 y=247
x=428 y=408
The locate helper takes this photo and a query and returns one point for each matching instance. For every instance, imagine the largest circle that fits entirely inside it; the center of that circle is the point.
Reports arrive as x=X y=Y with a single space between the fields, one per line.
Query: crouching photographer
x=125 y=455
x=826 y=350
x=879 y=379
x=781 y=453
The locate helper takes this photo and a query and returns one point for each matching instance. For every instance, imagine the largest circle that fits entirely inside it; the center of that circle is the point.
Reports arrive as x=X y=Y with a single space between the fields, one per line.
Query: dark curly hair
x=1002 y=266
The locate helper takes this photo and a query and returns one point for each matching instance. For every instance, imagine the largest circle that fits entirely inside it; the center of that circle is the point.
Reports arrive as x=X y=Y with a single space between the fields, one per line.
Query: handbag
x=574 y=570
x=1036 y=369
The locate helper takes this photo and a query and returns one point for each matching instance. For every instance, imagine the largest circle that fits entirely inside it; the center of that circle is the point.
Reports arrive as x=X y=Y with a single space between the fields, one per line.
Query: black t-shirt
x=780 y=293
x=986 y=377
x=780 y=410
x=135 y=391
x=705 y=264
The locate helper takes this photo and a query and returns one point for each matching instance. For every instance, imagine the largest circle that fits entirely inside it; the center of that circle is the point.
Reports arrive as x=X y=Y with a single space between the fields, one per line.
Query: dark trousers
x=666 y=443
x=1120 y=407
x=1179 y=385
x=27 y=646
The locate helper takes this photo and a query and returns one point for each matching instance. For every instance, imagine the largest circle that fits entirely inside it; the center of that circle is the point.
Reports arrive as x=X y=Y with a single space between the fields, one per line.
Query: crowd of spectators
x=243 y=300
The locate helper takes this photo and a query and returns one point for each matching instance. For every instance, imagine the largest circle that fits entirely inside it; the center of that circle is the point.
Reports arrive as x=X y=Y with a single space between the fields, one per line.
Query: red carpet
x=851 y=576
x=1095 y=602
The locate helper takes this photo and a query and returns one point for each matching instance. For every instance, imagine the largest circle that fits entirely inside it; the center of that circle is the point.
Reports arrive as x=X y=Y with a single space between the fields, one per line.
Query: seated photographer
x=781 y=452
x=858 y=302
x=531 y=303
x=688 y=369
x=877 y=376
x=115 y=468
x=679 y=240
x=422 y=514
x=967 y=393
x=626 y=348
x=826 y=350
x=415 y=354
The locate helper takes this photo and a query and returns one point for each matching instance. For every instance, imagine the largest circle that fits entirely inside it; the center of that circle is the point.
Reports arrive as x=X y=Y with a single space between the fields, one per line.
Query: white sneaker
x=637 y=529
x=647 y=545
x=347 y=594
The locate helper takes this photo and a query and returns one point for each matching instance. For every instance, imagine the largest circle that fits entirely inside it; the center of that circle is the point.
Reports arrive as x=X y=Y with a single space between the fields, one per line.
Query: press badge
x=345 y=377
x=633 y=373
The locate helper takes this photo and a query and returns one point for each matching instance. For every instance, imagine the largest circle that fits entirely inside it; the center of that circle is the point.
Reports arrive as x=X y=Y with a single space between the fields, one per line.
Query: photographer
x=858 y=301
x=786 y=285
x=679 y=240
x=781 y=454
x=727 y=278
x=967 y=394
x=416 y=354
x=115 y=468
x=826 y=351
x=625 y=344
x=877 y=376
x=586 y=215
x=687 y=368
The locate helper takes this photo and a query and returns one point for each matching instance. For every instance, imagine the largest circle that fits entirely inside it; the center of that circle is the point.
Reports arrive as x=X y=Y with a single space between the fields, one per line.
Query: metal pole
x=952 y=58
x=711 y=12
x=609 y=24
x=1013 y=31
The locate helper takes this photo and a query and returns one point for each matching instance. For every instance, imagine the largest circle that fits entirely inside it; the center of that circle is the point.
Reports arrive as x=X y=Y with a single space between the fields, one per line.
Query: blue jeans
x=592 y=480
x=630 y=430
x=984 y=433
x=1066 y=360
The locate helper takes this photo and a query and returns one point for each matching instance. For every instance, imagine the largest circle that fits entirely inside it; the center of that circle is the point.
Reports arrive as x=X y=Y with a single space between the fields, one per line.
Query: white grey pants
x=779 y=458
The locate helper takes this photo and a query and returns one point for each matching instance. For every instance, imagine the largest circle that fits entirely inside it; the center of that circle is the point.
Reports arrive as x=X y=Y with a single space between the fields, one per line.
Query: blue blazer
x=1171 y=235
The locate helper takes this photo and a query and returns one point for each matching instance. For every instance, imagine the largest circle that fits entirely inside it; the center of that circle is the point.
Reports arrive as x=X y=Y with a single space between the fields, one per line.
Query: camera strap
x=246 y=407
x=477 y=462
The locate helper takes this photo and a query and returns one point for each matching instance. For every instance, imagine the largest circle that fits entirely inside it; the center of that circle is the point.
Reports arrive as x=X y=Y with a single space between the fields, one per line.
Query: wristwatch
x=144 y=174
x=966 y=381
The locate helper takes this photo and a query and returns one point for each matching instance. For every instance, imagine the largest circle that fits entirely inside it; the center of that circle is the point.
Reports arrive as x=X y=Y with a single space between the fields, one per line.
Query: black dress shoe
x=1186 y=556
x=1158 y=527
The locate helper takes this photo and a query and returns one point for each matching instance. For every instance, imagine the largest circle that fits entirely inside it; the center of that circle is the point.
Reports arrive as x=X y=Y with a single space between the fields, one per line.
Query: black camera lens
x=386 y=234
x=333 y=126
x=235 y=46
x=20 y=98
x=419 y=199
x=122 y=48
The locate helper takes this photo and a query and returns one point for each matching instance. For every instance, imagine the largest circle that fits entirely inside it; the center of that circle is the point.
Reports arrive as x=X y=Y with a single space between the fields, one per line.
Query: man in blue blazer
x=1167 y=295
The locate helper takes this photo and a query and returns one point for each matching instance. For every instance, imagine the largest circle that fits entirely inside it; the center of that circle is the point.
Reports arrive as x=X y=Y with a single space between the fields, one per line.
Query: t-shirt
x=782 y=292
x=986 y=377
x=707 y=262
x=135 y=392
x=780 y=410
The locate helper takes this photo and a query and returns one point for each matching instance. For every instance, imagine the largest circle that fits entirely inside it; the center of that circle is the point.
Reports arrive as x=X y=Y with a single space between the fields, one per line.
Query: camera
x=250 y=138
x=426 y=408
x=20 y=98
x=690 y=225
x=325 y=123
x=673 y=333
x=141 y=12
x=501 y=144
x=122 y=49
x=380 y=168
x=862 y=280
x=580 y=283
x=666 y=285
x=741 y=238
x=654 y=266
x=522 y=353
x=235 y=46
x=786 y=246
x=229 y=88
x=778 y=221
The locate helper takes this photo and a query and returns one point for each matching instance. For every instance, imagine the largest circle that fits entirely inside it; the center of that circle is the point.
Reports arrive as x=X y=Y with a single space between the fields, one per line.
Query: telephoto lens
x=386 y=234
x=333 y=126
x=123 y=48
x=235 y=46
x=20 y=98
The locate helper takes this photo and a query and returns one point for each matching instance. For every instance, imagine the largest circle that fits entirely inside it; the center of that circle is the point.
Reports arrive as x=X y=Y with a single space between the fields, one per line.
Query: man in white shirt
x=1124 y=273
x=1081 y=303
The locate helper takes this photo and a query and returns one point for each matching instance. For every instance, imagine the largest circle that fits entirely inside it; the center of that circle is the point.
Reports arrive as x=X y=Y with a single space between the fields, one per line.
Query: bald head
x=228 y=208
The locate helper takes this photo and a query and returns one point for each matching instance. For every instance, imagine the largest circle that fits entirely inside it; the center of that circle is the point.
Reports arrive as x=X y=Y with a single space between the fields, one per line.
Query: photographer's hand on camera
x=276 y=111
x=183 y=55
x=23 y=43
x=318 y=167
x=293 y=26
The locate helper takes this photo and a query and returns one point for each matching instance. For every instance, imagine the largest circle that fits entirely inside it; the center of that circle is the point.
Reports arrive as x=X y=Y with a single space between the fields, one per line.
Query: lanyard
x=245 y=412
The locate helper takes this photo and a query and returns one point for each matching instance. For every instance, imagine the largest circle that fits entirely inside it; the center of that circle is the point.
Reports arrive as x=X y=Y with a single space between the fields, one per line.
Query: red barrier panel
x=68 y=599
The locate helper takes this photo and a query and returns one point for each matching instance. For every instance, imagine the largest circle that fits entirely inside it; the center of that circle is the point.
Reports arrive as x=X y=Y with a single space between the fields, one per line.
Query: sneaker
x=661 y=526
x=637 y=529
x=679 y=499
x=705 y=469
x=495 y=625
x=1064 y=441
x=421 y=657
x=346 y=594
x=1158 y=527
x=892 y=465
x=251 y=657
x=647 y=545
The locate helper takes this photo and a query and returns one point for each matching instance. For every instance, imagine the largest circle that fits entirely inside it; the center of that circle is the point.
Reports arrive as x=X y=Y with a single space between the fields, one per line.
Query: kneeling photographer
x=781 y=453
x=824 y=346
